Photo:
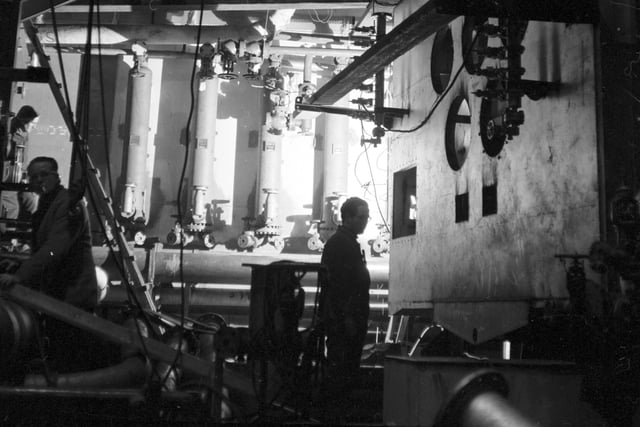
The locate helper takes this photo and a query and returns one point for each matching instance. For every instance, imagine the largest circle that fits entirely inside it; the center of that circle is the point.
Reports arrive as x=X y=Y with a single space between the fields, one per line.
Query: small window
x=404 y=203
x=457 y=135
x=489 y=200
x=462 y=207
x=442 y=59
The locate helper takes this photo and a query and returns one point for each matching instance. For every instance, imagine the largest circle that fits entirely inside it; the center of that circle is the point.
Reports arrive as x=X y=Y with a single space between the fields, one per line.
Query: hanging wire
x=75 y=138
x=440 y=98
x=179 y=197
x=105 y=132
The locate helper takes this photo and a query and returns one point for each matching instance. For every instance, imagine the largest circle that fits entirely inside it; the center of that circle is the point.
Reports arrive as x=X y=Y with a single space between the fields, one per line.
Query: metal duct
x=135 y=198
x=207 y=112
x=269 y=177
x=150 y=34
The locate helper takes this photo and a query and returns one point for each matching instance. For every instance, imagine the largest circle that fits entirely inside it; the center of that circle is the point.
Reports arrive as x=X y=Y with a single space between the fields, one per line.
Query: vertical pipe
x=207 y=113
x=336 y=164
x=269 y=178
x=381 y=29
x=135 y=185
x=307 y=76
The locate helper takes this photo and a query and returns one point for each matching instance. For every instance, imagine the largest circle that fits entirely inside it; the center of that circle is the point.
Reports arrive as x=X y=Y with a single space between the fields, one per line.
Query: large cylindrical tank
x=135 y=199
x=207 y=112
x=269 y=177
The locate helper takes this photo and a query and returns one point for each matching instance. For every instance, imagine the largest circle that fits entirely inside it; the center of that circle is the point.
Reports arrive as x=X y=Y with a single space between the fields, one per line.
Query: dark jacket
x=347 y=293
x=61 y=264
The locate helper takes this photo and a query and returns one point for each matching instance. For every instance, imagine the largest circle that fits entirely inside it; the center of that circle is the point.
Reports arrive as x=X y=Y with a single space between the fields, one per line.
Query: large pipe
x=269 y=177
x=207 y=113
x=200 y=266
x=479 y=400
x=108 y=35
x=129 y=373
x=213 y=267
x=135 y=197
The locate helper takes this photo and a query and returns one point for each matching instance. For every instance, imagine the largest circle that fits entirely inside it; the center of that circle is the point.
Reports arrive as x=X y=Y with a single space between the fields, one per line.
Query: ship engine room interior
x=212 y=145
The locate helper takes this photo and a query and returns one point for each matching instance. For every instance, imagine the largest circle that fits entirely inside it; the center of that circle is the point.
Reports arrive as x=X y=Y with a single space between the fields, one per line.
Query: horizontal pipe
x=220 y=267
x=314 y=51
x=244 y=6
x=233 y=301
x=150 y=34
x=130 y=372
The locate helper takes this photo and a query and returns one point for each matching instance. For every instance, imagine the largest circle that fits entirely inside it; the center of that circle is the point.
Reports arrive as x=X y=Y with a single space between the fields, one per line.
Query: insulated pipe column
x=133 y=205
x=336 y=164
x=307 y=89
x=269 y=179
x=207 y=112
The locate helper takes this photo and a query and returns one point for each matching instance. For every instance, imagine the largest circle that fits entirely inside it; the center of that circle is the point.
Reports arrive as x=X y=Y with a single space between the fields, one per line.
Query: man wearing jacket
x=345 y=306
x=61 y=263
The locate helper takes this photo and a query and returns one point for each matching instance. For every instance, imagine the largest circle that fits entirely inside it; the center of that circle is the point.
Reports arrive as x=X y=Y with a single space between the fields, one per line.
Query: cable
x=384 y=220
x=102 y=98
x=373 y=184
x=179 y=196
x=443 y=94
x=76 y=140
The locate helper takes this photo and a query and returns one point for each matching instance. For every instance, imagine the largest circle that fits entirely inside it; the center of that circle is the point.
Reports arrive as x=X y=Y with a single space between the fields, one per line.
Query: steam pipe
x=130 y=372
x=207 y=112
x=269 y=178
x=212 y=267
x=479 y=400
x=135 y=197
x=151 y=34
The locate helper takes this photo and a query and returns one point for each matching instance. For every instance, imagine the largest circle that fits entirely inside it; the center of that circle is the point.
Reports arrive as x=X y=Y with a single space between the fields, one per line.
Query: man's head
x=26 y=119
x=355 y=214
x=43 y=174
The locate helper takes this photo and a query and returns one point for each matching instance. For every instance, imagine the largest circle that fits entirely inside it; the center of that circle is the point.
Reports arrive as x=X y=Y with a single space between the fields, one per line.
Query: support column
x=135 y=202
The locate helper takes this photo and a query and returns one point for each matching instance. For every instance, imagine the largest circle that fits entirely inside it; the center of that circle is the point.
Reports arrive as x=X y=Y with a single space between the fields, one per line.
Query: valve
x=314 y=243
x=247 y=240
x=139 y=50
x=207 y=54
x=139 y=238
x=209 y=241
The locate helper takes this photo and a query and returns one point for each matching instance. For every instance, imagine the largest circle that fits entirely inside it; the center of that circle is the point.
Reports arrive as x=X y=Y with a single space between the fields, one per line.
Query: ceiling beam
x=33 y=8
x=227 y=6
x=421 y=24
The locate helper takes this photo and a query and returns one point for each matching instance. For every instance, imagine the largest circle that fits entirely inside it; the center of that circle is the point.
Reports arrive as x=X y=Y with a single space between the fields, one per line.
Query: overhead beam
x=228 y=6
x=417 y=27
x=32 y=8
x=569 y=11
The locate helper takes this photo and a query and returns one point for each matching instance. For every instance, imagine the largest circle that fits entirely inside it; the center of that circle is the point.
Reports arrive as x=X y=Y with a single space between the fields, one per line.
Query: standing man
x=16 y=205
x=345 y=308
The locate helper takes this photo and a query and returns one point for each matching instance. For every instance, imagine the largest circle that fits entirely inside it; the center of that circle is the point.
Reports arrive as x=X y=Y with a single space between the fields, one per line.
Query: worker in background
x=16 y=205
x=61 y=264
x=345 y=307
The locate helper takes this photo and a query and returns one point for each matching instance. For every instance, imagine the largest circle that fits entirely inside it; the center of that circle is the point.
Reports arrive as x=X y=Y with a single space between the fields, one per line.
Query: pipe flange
x=268 y=230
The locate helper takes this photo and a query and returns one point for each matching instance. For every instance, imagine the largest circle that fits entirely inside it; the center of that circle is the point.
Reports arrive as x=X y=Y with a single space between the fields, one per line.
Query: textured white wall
x=547 y=178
